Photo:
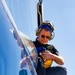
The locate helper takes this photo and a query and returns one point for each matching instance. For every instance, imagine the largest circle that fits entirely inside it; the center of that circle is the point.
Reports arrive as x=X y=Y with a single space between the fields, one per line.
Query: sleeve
x=52 y=49
x=55 y=51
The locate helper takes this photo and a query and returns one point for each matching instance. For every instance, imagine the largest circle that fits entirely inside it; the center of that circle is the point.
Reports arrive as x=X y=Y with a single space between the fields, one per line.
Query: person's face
x=44 y=36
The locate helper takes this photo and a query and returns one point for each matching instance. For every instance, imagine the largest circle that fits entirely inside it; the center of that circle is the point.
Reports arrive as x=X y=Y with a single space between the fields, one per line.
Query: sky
x=61 y=13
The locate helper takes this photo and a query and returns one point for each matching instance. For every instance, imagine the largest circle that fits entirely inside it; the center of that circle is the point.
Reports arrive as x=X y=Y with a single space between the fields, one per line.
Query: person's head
x=45 y=32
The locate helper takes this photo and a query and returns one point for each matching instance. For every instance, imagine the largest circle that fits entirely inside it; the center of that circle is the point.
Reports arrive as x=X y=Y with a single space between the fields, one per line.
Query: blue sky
x=61 y=13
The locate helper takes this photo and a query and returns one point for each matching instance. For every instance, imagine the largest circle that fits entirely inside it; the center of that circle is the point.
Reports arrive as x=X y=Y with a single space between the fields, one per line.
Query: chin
x=43 y=42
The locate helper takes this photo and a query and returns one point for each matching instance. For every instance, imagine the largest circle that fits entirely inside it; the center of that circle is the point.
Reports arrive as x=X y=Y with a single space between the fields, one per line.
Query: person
x=45 y=33
x=47 y=53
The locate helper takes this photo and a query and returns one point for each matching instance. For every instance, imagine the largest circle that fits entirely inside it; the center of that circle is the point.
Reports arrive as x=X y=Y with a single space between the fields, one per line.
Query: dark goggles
x=43 y=36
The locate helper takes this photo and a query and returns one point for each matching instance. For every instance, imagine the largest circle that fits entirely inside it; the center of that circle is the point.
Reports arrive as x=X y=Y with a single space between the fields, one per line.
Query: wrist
x=53 y=56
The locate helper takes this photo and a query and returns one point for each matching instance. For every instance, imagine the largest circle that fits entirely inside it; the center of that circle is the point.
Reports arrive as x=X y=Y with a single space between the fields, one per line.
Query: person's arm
x=50 y=56
x=58 y=59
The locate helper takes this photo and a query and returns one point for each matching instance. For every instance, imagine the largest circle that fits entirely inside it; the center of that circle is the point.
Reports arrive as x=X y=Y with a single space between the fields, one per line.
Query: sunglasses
x=43 y=36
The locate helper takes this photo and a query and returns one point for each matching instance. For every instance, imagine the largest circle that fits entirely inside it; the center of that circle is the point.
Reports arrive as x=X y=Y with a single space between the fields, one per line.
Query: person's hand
x=47 y=55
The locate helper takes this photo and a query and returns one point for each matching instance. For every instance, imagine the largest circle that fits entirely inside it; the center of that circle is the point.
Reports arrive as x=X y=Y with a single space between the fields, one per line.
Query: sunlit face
x=44 y=36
